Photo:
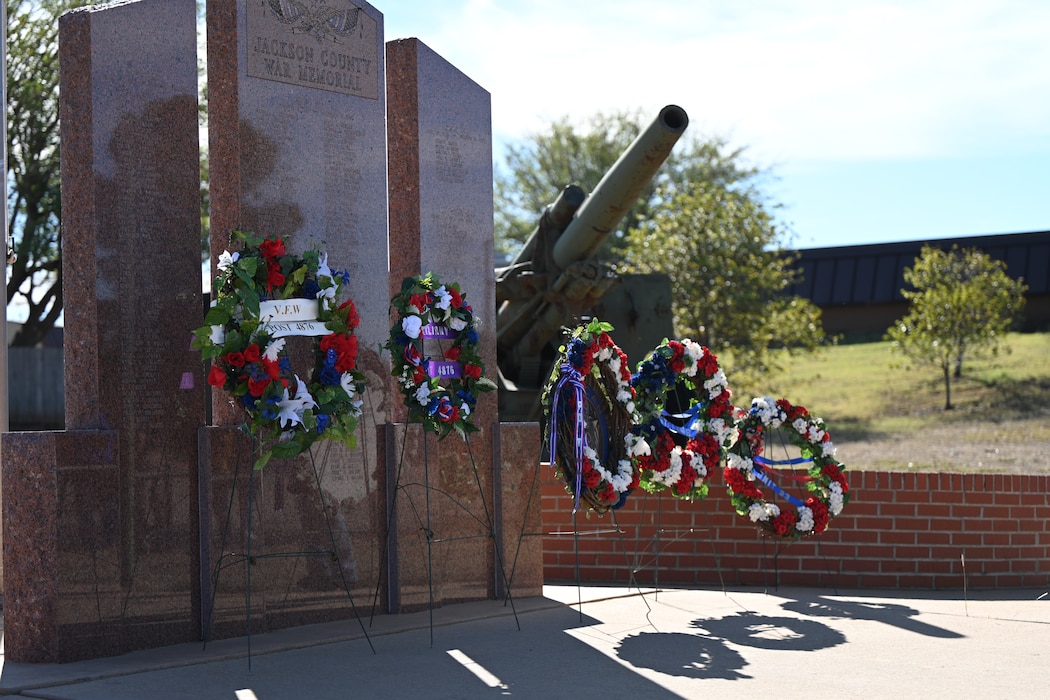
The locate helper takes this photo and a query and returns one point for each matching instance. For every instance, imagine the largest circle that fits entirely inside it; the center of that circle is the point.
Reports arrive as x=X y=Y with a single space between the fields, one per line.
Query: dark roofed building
x=858 y=288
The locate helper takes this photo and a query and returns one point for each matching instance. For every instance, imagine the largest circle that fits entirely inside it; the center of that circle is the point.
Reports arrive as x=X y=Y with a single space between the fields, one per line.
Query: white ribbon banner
x=287 y=310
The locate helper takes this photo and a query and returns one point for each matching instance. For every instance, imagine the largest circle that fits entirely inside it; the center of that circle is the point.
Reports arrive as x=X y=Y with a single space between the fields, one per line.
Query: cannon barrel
x=620 y=187
x=557 y=277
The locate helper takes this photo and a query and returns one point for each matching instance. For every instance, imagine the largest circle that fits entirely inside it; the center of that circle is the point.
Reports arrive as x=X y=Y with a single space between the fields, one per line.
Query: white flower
x=227 y=259
x=693 y=352
x=290 y=410
x=758 y=511
x=742 y=463
x=347 y=382
x=457 y=324
x=835 y=498
x=444 y=299
x=716 y=384
x=828 y=448
x=636 y=446
x=322 y=266
x=327 y=297
x=423 y=394
x=218 y=335
x=464 y=408
x=274 y=349
x=412 y=325
x=805 y=520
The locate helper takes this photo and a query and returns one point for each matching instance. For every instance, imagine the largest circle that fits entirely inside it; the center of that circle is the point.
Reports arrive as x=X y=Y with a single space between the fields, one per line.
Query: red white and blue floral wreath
x=748 y=466
x=588 y=412
x=264 y=295
x=705 y=428
x=427 y=309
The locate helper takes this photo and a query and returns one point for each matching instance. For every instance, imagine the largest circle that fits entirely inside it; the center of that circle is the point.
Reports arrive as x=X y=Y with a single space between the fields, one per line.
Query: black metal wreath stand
x=426 y=524
x=250 y=558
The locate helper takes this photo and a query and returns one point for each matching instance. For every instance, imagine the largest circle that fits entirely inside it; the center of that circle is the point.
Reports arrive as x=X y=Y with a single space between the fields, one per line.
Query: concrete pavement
x=618 y=643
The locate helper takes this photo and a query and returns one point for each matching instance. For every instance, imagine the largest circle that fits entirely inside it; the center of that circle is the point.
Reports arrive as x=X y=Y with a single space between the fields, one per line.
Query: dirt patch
x=1009 y=447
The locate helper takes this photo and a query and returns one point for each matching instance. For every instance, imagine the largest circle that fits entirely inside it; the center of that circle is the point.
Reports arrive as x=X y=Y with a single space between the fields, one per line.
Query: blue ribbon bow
x=758 y=470
x=571 y=377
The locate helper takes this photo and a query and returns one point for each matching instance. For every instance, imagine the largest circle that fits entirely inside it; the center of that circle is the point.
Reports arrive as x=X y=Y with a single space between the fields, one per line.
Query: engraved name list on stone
x=323 y=44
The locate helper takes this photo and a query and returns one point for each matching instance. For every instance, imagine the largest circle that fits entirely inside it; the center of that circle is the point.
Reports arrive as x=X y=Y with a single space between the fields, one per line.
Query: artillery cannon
x=555 y=278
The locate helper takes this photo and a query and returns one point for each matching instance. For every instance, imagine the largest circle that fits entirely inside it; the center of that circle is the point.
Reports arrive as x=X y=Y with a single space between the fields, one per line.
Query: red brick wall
x=899 y=530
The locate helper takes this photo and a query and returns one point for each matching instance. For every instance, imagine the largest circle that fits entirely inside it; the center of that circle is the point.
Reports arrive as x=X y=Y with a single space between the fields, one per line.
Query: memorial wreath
x=428 y=309
x=264 y=295
x=678 y=449
x=824 y=481
x=588 y=413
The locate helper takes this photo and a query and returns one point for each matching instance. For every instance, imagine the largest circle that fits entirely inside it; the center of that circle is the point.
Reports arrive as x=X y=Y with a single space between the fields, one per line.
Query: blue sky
x=879 y=121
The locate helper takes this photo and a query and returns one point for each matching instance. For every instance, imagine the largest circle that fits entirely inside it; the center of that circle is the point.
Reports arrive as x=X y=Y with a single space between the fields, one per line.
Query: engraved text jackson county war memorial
x=329 y=45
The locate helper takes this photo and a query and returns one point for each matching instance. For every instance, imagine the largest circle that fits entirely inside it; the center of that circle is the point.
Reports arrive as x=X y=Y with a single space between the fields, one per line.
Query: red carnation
x=420 y=301
x=609 y=494
x=273 y=370
x=472 y=371
x=783 y=523
x=252 y=353
x=353 y=319
x=591 y=478
x=234 y=359
x=274 y=277
x=457 y=298
x=453 y=353
x=256 y=387
x=216 y=377
x=272 y=248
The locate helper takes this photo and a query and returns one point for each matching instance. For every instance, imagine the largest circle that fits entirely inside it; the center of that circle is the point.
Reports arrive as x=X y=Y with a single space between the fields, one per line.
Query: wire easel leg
x=219 y=565
x=248 y=566
x=430 y=537
x=335 y=552
x=490 y=522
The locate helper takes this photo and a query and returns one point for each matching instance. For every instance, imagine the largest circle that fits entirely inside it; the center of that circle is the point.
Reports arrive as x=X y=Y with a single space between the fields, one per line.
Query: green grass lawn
x=866 y=399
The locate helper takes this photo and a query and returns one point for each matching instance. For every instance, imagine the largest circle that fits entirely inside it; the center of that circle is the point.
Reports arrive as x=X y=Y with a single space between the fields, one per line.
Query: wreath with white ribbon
x=678 y=448
x=427 y=309
x=588 y=412
x=825 y=484
x=265 y=295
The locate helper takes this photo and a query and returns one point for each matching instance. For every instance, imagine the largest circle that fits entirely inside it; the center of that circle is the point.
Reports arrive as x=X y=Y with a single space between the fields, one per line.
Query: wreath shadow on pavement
x=709 y=654
x=901 y=616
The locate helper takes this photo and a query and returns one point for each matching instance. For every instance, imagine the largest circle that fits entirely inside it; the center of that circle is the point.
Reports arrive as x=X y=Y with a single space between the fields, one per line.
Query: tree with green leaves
x=962 y=303
x=540 y=166
x=703 y=221
x=33 y=198
x=723 y=253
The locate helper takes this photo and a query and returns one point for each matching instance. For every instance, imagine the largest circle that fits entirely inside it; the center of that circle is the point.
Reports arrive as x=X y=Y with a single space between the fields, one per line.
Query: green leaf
x=216 y=316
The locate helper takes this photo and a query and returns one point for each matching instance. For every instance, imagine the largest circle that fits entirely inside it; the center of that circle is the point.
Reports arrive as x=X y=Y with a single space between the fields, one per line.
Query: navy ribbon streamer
x=760 y=462
x=570 y=376
x=782 y=462
x=692 y=416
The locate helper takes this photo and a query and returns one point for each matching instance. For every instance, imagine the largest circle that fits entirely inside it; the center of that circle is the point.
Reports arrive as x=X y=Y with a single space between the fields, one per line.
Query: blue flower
x=310 y=289
x=575 y=352
x=472 y=336
x=343 y=275
x=329 y=375
x=466 y=397
x=323 y=421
